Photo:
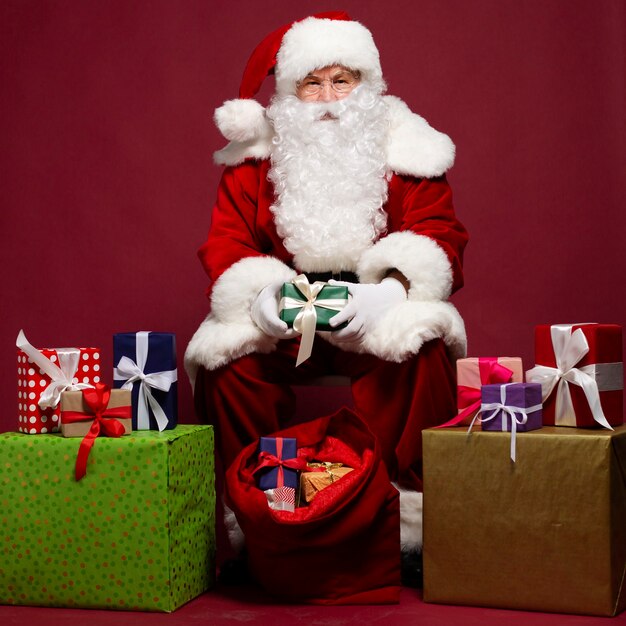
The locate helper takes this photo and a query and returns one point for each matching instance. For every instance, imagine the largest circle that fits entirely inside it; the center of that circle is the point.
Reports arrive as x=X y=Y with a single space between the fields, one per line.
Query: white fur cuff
x=228 y=332
x=418 y=257
x=236 y=289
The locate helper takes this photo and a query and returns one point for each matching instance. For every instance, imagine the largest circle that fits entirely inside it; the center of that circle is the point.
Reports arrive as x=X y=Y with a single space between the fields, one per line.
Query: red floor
x=250 y=606
x=246 y=605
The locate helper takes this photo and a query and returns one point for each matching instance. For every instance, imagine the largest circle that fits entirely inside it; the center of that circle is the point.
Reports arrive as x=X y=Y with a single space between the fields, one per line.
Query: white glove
x=369 y=302
x=264 y=313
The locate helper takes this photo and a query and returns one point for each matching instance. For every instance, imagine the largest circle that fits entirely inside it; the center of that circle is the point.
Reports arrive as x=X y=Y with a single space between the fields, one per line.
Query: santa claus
x=341 y=183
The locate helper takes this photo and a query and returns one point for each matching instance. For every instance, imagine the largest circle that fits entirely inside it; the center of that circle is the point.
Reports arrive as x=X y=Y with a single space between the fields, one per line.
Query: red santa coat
x=424 y=241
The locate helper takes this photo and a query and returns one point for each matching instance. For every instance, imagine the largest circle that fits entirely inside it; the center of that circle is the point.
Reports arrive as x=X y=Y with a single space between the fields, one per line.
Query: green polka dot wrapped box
x=136 y=533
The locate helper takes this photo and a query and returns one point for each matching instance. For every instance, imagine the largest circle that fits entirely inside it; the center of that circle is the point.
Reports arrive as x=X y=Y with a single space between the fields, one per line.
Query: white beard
x=329 y=178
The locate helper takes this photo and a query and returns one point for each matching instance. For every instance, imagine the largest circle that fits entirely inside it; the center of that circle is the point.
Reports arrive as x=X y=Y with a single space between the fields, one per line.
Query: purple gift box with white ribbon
x=510 y=407
x=503 y=404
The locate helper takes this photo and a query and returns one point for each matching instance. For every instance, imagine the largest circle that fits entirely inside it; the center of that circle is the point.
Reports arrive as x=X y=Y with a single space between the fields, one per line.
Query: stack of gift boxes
x=109 y=502
x=520 y=512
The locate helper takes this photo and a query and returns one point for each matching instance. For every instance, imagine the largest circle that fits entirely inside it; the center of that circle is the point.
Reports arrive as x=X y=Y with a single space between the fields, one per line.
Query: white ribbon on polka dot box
x=42 y=375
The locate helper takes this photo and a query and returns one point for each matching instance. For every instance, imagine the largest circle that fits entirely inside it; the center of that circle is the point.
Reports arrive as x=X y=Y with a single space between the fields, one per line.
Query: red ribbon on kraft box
x=104 y=420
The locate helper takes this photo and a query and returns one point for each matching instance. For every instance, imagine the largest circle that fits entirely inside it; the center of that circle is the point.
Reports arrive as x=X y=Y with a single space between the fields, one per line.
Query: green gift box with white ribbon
x=307 y=307
x=327 y=303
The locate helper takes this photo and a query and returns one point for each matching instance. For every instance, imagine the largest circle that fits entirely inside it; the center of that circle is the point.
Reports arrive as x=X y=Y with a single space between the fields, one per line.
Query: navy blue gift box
x=269 y=476
x=147 y=360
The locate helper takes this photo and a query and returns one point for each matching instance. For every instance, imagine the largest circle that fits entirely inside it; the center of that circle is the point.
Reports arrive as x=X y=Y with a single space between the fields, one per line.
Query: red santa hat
x=290 y=53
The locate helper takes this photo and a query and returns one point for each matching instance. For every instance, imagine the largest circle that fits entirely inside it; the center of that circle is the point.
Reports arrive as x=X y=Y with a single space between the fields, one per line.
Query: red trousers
x=252 y=396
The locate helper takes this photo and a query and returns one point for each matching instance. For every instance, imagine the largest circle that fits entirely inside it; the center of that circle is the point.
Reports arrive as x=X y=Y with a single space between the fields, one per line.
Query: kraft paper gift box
x=472 y=373
x=318 y=476
x=42 y=375
x=73 y=404
x=547 y=533
x=137 y=533
x=91 y=413
x=145 y=362
x=580 y=369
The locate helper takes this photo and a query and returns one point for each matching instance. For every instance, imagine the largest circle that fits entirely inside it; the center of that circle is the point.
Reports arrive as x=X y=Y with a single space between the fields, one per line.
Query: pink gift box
x=474 y=372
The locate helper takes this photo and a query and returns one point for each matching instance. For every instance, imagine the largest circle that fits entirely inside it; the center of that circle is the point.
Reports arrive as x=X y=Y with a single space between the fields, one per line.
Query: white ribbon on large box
x=131 y=372
x=569 y=348
x=61 y=376
x=512 y=411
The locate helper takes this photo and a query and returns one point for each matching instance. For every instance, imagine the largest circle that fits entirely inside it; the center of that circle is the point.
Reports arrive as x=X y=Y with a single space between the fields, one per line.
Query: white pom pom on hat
x=241 y=120
x=291 y=52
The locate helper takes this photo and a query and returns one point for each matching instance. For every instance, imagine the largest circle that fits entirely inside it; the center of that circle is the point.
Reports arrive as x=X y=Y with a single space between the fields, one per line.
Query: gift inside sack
x=317 y=477
x=334 y=460
x=287 y=478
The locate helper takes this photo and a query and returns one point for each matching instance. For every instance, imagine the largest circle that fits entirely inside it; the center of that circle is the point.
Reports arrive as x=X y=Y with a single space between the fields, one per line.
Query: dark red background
x=107 y=179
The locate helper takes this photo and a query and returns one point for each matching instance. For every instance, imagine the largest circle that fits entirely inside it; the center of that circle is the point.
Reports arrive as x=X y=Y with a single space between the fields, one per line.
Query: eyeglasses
x=342 y=84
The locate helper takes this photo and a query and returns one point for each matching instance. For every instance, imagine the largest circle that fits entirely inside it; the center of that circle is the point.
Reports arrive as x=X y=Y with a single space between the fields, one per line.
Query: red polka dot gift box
x=42 y=375
x=136 y=533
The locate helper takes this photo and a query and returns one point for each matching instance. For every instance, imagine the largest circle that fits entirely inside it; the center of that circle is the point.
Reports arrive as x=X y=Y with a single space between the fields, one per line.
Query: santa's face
x=327 y=84
x=329 y=175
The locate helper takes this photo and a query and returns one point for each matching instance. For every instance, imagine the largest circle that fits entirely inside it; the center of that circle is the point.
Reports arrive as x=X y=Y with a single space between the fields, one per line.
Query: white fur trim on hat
x=229 y=332
x=314 y=43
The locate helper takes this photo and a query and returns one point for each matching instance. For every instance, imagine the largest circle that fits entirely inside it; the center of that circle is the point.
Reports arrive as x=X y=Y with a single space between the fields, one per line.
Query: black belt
x=324 y=277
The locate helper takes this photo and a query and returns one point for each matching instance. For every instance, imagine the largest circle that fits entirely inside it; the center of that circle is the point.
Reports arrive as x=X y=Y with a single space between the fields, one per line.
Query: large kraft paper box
x=136 y=533
x=547 y=533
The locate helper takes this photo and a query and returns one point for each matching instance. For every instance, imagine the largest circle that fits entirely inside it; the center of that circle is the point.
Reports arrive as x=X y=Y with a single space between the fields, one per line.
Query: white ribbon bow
x=305 y=321
x=569 y=348
x=512 y=411
x=61 y=375
x=131 y=372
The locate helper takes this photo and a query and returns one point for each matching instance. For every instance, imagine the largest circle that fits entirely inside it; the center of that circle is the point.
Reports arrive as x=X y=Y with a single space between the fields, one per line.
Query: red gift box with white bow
x=42 y=375
x=581 y=373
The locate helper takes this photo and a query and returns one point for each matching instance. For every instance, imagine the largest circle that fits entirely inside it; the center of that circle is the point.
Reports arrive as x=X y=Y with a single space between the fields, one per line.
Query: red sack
x=342 y=548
